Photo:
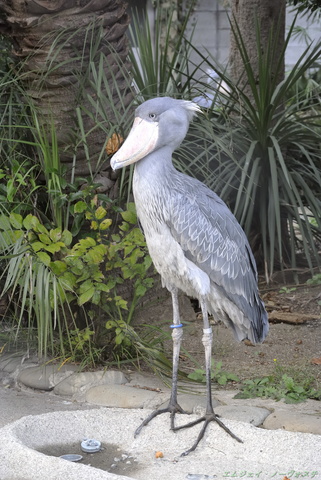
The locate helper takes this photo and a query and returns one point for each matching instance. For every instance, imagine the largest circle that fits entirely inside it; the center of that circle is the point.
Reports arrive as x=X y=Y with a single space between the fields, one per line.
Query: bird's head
x=158 y=122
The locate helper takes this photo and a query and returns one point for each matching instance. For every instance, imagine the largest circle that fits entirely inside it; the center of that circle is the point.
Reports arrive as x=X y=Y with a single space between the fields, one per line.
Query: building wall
x=212 y=32
x=297 y=45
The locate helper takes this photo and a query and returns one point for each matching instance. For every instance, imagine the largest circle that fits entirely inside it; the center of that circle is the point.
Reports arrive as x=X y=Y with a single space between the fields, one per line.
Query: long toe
x=207 y=419
x=171 y=408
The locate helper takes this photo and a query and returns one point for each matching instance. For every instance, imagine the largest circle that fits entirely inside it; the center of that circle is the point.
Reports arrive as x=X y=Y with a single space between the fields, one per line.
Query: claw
x=207 y=418
x=172 y=409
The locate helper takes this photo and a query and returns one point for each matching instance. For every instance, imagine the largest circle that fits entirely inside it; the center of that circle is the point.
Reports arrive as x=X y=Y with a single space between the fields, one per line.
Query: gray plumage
x=190 y=215
x=194 y=240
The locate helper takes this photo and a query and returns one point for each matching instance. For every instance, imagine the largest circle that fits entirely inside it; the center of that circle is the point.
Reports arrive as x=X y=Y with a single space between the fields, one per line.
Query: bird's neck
x=155 y=167
x=152 y=188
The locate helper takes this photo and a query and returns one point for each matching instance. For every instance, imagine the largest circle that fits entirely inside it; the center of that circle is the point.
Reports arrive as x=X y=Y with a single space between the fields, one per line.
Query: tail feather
x=245 y=320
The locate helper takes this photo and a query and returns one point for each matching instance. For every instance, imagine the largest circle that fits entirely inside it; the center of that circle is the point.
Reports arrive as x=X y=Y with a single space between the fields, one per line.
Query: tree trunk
x=56 y=41
x=257 y=41
x=270 y=15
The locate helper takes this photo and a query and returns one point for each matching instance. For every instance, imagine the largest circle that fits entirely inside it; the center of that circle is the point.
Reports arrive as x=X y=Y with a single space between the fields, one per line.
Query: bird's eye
x=152 y=116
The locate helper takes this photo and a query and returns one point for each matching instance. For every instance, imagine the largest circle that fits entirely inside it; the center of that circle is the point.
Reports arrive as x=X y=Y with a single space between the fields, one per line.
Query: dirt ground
x=294 y=339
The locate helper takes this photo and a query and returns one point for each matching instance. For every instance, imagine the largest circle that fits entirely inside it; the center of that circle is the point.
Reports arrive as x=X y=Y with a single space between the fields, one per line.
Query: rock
x=146 y=380
x=10 y=362
x=105 y=183
x=123 y=396
x=45 y=377
x=79 y=382
x=292 y=422
x=242 y=413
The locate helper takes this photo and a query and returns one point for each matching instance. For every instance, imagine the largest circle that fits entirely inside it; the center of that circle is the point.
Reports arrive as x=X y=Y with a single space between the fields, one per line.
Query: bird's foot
x=172 y=408
x=207 y=418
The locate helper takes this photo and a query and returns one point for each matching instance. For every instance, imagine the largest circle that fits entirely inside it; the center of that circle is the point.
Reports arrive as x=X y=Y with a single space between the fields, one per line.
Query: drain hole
x=110 y=458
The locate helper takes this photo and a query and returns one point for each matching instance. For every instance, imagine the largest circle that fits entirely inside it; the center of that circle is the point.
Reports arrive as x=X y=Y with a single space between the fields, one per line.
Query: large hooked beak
x=140 y=142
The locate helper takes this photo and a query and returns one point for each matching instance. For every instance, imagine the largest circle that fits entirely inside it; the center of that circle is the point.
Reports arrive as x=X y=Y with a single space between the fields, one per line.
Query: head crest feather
x=191 y=107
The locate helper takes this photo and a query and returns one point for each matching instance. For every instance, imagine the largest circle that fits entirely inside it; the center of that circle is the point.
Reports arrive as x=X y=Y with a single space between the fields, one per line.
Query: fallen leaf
x=114 y=143
x=316 y=361
x=159 y=455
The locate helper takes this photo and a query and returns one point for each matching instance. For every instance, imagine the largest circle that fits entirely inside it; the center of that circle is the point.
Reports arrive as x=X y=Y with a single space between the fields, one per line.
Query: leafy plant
x=315 y=280
x=14 y=184
x=48 y=271
x=292 y=387
x=307 y=7
x=144 y=343
x=113 y=117
x=66 y=249
x=286 y=289
x=218 y=375
x=80 y=348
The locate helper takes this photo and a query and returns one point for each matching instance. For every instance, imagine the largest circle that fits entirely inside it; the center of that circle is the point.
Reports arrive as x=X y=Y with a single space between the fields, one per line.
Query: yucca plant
x=264 y=157
x=160 y=58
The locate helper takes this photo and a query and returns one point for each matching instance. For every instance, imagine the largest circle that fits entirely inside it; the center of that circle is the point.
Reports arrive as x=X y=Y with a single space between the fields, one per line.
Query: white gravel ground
x=265 y=454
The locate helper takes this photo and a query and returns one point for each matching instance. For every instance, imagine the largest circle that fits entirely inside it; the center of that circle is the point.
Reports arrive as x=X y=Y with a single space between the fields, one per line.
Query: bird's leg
x=177 y=334
x=210 y=415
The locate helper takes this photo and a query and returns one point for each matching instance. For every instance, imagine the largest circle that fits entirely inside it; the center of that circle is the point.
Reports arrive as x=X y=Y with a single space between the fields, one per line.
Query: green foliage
x=218 y=375
x=80 y=348
x=286 y=289
x=14 y=184
x=66 y=250
x=59 y=260
x=293 y=387
x=160 y=58
x=308 y=7
x=315 y=280
x=84 y=271
x=120 y=328
x=142 y=343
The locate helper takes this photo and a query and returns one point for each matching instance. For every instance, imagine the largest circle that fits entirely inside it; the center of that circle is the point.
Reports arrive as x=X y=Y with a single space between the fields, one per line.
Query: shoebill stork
x=194 y=240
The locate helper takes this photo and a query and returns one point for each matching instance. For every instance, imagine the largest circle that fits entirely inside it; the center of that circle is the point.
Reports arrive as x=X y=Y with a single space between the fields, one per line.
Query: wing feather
x=211 y=236
x=213 y=240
